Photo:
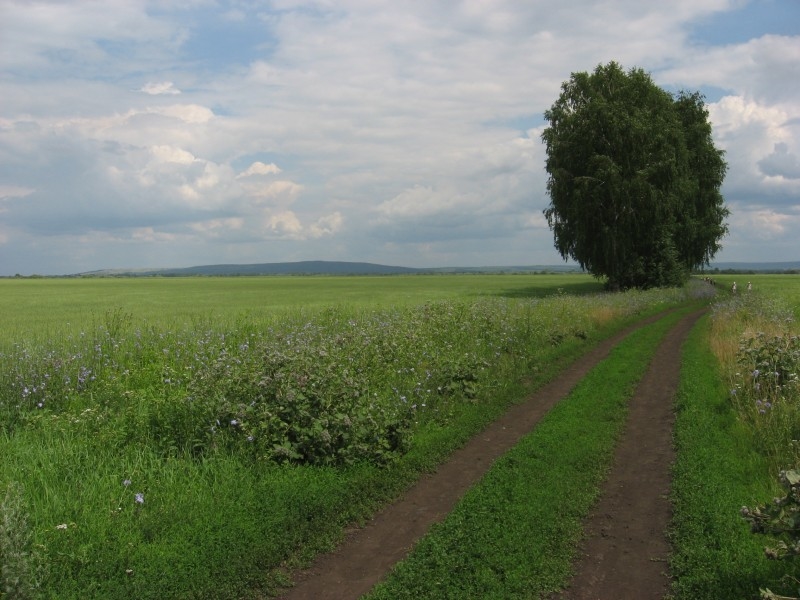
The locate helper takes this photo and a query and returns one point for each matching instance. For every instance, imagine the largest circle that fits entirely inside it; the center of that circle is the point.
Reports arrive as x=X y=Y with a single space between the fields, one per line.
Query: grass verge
x=514 y=535
x=715 y=557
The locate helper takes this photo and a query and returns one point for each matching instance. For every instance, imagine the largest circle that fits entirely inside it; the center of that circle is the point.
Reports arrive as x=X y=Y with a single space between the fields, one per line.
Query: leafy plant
x=20 y=564
x=781 y=520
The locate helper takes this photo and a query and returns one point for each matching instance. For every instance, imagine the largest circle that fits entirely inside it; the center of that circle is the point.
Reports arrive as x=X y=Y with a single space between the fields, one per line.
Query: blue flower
x=139 y=498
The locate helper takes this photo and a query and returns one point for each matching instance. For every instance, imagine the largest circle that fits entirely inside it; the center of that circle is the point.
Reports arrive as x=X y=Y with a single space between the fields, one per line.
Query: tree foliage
x=634 y=178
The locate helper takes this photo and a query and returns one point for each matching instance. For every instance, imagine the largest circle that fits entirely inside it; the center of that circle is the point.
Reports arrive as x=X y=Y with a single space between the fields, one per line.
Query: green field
x=49 y=307
x=195 y=438
x=784 y=287
x=230 y=427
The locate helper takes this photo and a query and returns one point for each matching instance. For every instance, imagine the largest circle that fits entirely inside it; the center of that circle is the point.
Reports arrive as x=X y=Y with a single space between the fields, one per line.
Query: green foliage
x=779 y=518
x=152 y=403
x=718 y=469
x=634 y=179
x=21 y=566
x=754 y=336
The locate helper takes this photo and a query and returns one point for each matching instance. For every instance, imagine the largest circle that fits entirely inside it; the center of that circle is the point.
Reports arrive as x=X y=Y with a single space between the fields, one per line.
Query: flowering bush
x=332 y=388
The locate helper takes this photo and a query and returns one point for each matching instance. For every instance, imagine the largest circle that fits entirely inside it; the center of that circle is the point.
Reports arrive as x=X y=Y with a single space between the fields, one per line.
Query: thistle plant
x=779 y=519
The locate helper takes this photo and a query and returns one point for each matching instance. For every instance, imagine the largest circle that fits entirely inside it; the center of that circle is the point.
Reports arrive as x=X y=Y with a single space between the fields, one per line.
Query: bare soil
x=625 y=552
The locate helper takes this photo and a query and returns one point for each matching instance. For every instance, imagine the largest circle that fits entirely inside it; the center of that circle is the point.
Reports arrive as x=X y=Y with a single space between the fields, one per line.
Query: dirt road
x=625 y=553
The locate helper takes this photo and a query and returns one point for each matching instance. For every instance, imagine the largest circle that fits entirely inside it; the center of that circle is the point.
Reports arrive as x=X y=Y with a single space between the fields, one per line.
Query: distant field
x=785 y=287
x=42 y=307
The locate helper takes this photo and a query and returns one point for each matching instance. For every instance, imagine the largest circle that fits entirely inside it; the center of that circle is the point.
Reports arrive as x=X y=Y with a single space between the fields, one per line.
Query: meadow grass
x=42 y=309
x=515 y=533
x=718 y=471
x=783 y=287
x=202 y=460
x=738 y=414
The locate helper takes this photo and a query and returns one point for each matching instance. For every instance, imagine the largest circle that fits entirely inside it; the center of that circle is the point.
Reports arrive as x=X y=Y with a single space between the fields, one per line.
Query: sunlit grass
x=143 y=449
x=738 y=414
x=46 y=308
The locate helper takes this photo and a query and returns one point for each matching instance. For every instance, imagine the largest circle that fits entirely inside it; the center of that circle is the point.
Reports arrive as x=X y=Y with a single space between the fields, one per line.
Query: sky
x=174 y=133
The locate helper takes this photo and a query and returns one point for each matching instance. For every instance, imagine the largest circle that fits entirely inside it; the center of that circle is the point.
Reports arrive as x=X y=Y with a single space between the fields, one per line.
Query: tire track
x=626 y=549
x=367 y=554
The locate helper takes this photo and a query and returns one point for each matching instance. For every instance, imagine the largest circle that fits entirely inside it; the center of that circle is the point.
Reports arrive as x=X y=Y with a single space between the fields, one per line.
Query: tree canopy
x=634 y=179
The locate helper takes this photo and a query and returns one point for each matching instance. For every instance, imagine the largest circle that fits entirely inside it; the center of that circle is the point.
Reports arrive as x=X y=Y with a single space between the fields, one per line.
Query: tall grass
x=755 y=338
x=718 y=470
x=195 y=461
x=738 y=419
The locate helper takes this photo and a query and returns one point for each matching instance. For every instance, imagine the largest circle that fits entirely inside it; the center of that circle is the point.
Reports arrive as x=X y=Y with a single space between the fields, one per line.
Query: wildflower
x=756 y=373
x=62 y=526
x=234 y=422
x=139 y=498
x=126 y=482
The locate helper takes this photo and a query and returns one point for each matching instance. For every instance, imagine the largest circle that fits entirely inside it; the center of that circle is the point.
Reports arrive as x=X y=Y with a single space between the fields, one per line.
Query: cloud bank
x=138 y=134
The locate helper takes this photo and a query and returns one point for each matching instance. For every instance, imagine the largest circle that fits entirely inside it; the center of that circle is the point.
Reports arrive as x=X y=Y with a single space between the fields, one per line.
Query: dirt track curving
x=625 y=553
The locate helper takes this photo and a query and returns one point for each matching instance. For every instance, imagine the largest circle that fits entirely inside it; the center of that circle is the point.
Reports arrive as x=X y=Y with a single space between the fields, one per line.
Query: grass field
x=157 y=433
x=784 y=287
x=189 y=439
x=47 y=307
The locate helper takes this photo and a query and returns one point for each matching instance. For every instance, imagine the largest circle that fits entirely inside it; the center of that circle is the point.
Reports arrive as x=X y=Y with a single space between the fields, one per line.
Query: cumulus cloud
x=170 y=154
x=781 y=163
x=326 y=226
x=284 y=224
x=404 y=132
x=259 y=168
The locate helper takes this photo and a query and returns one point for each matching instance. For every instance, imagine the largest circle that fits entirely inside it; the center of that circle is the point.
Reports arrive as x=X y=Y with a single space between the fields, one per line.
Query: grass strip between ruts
x=715 y=557
x=514 y=535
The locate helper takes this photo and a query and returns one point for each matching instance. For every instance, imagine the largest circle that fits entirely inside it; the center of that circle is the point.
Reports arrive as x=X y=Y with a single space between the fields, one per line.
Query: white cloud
x=326 y=226
x=164 y=87
x=170 y=154
x=14 y=191
x=259 y=168
x=404 y=131
x=758 y=139
x=284 y=224
x=781 y=163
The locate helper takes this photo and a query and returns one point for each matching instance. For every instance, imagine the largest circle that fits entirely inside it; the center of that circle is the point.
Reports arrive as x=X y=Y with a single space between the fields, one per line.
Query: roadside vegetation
x=203 y=458
x=514 y=534
x=190 y=454
x=738 y=422
x=737 y=430
x=204 y=461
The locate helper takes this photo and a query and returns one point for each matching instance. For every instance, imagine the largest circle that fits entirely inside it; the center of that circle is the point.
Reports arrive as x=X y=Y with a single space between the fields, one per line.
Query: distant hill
x=316 y=267
x=324 y=267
